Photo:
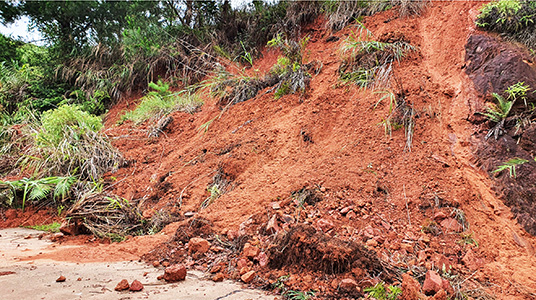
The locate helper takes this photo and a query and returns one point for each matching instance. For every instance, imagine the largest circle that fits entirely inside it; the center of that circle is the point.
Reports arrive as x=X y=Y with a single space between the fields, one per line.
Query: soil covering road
x=317 y=195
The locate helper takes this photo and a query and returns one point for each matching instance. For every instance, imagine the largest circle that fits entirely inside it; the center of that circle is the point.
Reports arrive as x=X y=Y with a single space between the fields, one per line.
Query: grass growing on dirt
x=161 y=102
x=368 y=62
x=53 y=227
x=379 y=292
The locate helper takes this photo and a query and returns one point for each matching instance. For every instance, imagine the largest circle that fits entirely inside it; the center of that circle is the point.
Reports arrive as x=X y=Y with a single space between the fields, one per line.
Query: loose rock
x=451 y=225
x=175 y=273
x=198 y=245
x=136 y=286
x=218 y=277
x=248 y=277
x=411 y=289
x=122 y=285
x=250 y=251
x=432 y=283
x=61 y=279
x=348 y=284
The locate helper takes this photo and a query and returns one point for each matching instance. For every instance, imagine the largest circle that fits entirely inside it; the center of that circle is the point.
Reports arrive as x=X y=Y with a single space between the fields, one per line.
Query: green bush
x=63 y=122
x=161 y=102
x=513 y=18
x=69 y=144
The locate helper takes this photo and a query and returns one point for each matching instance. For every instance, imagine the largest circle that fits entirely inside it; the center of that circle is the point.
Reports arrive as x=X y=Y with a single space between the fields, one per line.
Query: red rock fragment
x=248 y=277
x=175 y=273
x=433 y=283
x=250 y=251
x=122 y=285
x=61 y=279
x=136 y=286
x=451 y=225
x=218 y=277
x=198 y=245
x=411 y=289
x=324 y=225
x=348 y=285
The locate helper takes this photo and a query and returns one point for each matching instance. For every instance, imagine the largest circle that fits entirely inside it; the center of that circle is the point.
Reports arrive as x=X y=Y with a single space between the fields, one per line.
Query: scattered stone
x=324 y=225
x=250 y=251
x=218 y=277
x=79 y=279
x=411 y=289
x=348 y=284
x=56 y=236
x=3 y=273
x=440 y=215
x=198 y=245
x=447 y=287
x=156 y=264
x=407 y=247
x=262 y=258
x=351 y=215
x=276 y=205
x=248 y=277
x=345 y=210
x=29 y=236
x=175 y=273
x=244 y=270
x=160 y=277
x=451 y=225
x=61 y=279
x=471 y=261
x=189 y=214
x=271 y=226
x=441 y=295
x=122 y=285
x=241 y=263
x=136 y=286
x=372 y=243
x=165 y=264
x=432 y=283
x=287 y=218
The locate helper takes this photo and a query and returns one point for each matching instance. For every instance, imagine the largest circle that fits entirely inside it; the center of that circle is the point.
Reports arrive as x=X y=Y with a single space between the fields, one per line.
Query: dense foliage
x=512 y=18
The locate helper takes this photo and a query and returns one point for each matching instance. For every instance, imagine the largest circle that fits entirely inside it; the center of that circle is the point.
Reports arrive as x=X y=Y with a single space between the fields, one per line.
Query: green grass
x=53 y=227
x=161 y=102
x=511 y=166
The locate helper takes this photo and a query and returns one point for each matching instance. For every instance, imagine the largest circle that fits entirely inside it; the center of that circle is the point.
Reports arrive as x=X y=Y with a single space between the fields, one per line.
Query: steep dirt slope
x=329 y=140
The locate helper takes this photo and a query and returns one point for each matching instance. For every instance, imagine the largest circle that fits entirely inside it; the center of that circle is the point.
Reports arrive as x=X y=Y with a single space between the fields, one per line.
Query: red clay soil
x=29 y=217
x=371 y=189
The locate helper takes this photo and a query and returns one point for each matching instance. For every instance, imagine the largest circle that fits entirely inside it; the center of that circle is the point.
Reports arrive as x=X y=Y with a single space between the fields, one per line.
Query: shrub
x=161 y=102
x=69 y=143
x=35 y=189
x=513 y=19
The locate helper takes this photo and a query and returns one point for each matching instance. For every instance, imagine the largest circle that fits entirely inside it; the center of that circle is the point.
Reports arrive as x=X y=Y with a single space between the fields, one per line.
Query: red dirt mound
x=426 y=209
x=373 y=189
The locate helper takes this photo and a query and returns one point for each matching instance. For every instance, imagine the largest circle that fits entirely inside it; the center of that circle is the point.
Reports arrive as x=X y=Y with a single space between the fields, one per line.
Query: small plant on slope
x=498 y=112
x=380 y=293
x=366 y=61
x=511 y=166
x=161 y=102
